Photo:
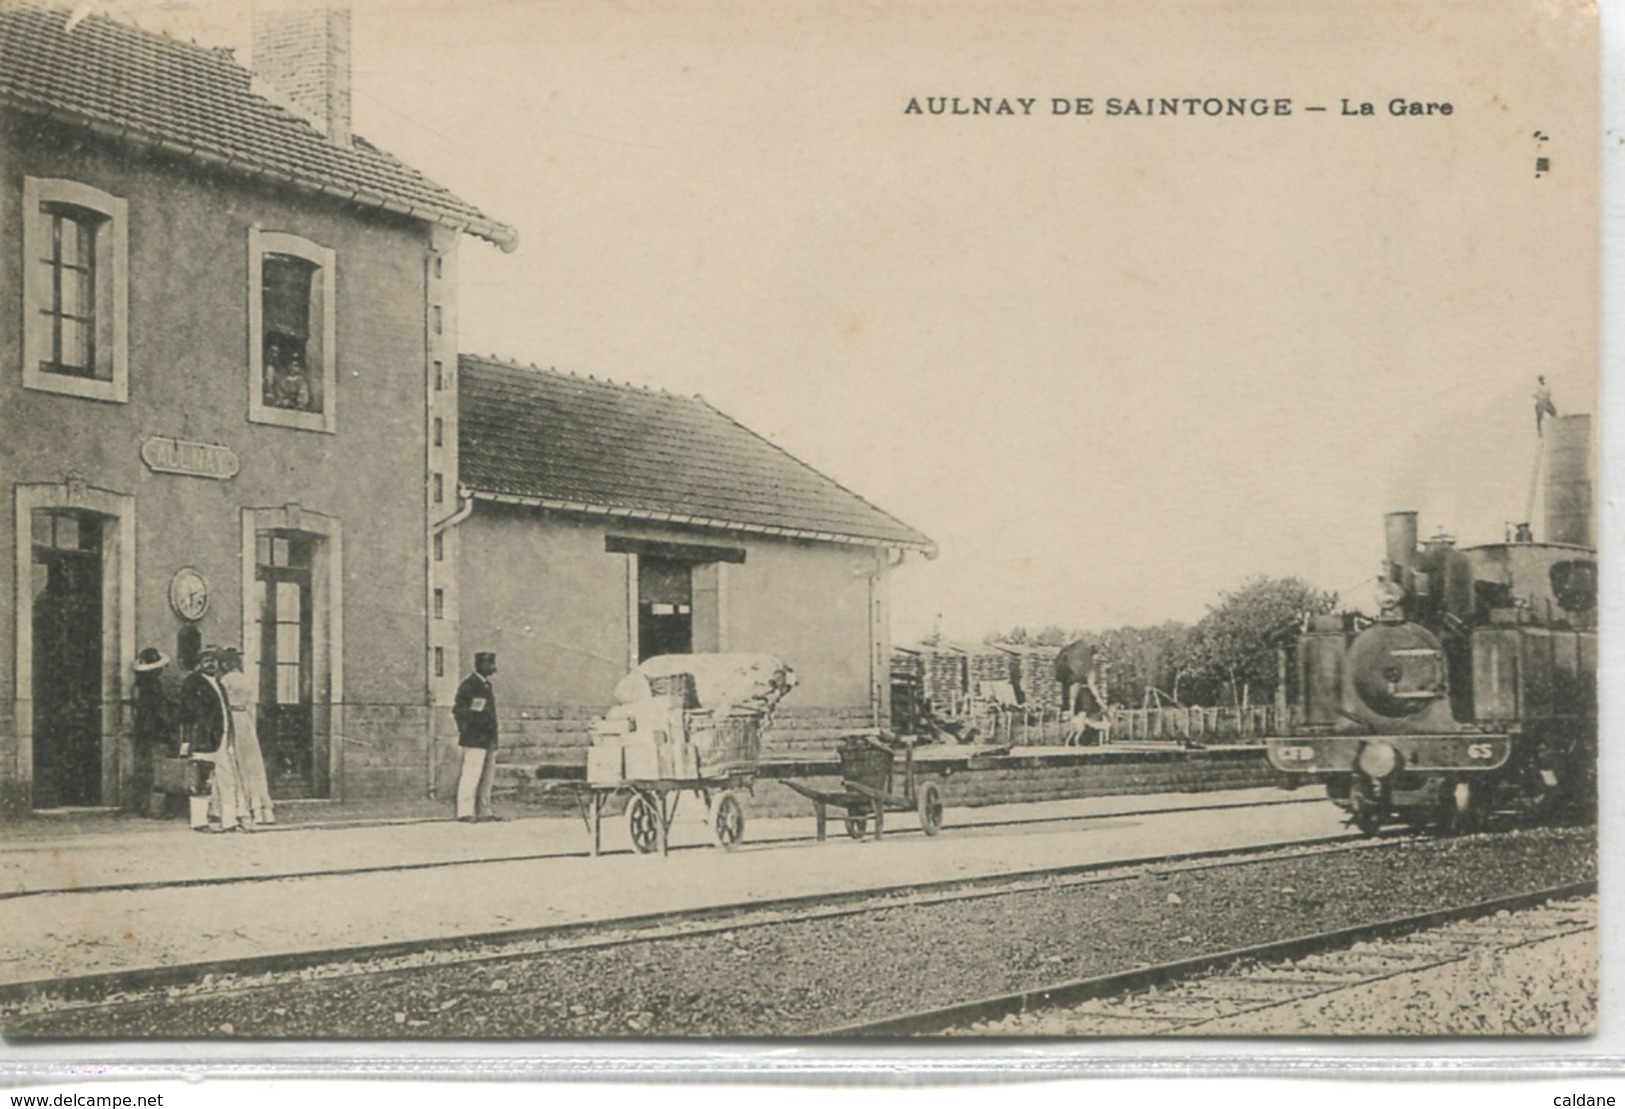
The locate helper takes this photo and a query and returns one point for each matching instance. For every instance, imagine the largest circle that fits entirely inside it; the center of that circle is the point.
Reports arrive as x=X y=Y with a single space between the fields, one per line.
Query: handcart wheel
x=857 y=822
x=728 y=821
x=930 y=804
x=643 y=824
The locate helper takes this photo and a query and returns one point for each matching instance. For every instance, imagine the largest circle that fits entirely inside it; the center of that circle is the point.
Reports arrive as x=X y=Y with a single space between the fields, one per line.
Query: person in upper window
x=475 y=710
x=290 y=388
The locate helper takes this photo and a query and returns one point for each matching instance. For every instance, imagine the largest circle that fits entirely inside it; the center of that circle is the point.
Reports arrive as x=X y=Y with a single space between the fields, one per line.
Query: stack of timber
x=943 y=678
x=1033 y=671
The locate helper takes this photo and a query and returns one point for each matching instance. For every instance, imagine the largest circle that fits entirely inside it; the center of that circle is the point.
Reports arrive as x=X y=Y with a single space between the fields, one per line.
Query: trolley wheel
x=1368 y=823
x=857 y=821
x=643 y=824
x=930 y=806
x=728 y=821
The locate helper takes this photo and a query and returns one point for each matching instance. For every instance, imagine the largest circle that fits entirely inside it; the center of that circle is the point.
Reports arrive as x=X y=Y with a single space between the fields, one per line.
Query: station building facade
x=223 y=400
x=232 y=412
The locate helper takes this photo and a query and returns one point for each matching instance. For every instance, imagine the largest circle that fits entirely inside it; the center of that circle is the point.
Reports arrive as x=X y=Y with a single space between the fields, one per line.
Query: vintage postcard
x=572 y=521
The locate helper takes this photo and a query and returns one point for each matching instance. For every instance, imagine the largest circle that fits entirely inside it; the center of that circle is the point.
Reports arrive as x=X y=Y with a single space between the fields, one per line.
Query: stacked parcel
x=688 y=718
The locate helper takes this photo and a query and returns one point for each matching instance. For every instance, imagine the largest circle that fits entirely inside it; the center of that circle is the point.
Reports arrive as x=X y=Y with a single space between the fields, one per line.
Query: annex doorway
x=665 y=607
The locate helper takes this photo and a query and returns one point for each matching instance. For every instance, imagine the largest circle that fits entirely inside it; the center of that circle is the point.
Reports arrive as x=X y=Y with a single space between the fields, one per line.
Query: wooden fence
x=1195 y=724
x=1018 y=726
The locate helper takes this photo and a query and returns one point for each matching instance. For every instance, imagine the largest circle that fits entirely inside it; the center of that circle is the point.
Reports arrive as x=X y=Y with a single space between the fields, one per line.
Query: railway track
x=258 y=972
x=879 y=962
x=1181 y=996
x=960 y=824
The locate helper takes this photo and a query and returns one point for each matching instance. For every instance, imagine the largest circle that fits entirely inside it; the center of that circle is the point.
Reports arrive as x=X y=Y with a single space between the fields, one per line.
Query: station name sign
x=180 y=456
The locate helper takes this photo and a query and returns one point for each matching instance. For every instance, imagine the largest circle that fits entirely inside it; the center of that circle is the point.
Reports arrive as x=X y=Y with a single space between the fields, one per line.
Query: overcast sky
x=1113 y=365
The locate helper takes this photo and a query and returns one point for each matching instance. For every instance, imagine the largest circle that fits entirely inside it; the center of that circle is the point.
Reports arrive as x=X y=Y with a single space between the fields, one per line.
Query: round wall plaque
x=189 y=594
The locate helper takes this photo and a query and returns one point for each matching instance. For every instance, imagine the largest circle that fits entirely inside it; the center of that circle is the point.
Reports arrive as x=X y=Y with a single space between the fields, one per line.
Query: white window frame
x=261 y=243
x=112 y=286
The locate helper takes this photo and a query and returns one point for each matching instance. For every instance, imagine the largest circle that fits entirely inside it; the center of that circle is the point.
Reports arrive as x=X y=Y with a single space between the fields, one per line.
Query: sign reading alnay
x=179 y=456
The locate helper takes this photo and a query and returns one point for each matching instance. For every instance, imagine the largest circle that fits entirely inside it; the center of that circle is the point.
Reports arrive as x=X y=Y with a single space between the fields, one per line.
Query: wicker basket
x=866 y=762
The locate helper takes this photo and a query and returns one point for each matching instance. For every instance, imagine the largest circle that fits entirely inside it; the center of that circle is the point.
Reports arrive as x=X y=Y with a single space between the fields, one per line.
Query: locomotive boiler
x=1473 y=691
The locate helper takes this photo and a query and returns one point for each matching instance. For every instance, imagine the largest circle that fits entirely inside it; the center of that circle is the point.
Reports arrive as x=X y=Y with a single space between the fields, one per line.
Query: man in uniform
x=475 y=710
x=205 y=718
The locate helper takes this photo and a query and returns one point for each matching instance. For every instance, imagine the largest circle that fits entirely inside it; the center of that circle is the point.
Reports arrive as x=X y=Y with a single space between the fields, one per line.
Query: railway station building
x=218 y=399
x=233 y=412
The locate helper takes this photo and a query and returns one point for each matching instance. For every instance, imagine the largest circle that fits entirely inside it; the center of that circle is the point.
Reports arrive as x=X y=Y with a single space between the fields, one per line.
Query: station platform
x=88 y=894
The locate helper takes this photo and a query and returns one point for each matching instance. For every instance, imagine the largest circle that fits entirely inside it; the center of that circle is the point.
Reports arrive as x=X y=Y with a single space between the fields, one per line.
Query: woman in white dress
x=256 y=790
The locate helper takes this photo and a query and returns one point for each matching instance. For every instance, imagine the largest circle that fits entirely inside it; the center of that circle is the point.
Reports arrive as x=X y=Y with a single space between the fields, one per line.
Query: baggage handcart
x=716 y=760
x=868 y=775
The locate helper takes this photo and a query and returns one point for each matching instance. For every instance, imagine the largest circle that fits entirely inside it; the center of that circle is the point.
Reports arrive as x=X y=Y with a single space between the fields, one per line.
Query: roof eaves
x=503 y=236
x=928 y=549
x=923 y=544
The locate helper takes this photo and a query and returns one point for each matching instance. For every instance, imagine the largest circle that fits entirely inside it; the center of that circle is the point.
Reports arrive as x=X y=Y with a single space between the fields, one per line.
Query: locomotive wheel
x=930 y=806
x=728 y=821
x=1368 y=823
x=857 y=822
x=643 y=824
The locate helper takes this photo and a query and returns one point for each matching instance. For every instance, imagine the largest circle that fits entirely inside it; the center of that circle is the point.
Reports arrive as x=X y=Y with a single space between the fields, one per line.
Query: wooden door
x=286 y=677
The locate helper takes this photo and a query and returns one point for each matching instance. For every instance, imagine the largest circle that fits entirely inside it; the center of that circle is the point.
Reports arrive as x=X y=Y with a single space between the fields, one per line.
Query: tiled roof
x=197 y=102
x=578 y=444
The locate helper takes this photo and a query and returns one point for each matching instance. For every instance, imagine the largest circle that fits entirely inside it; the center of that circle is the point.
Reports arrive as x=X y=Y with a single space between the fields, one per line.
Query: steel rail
x=648 y=927
x=937 y=1021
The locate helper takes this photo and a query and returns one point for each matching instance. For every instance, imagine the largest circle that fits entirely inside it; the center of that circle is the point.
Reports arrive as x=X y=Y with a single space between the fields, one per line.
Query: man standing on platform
x=205 y=715
x=475 y=710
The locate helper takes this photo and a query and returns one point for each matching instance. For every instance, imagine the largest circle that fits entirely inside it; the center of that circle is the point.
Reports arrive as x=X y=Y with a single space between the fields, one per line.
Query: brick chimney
x=301 y=59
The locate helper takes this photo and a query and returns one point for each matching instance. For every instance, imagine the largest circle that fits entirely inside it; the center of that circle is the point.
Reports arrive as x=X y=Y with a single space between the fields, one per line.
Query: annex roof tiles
x=578 y=444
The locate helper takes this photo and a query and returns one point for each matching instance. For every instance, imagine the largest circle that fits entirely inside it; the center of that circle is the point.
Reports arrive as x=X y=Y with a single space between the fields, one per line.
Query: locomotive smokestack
x=1399 y=530
x=1568 y=480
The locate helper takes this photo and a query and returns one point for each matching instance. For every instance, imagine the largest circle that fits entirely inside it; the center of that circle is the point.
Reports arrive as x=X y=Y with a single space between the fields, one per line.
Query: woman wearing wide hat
x=151 y=734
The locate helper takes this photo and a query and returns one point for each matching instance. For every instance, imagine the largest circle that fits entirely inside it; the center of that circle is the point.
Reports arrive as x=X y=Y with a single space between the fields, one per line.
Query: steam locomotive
x=1474 y=691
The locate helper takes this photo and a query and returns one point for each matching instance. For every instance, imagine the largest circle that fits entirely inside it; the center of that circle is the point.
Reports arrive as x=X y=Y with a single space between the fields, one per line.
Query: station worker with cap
x=475 y=710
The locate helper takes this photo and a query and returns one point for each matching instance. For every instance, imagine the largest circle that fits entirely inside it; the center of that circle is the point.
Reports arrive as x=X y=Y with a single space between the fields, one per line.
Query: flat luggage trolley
x=868 y=774
x=715 y=759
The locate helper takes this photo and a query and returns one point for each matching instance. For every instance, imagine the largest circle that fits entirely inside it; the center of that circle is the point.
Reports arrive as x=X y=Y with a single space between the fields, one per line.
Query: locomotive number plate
x=1287 y=753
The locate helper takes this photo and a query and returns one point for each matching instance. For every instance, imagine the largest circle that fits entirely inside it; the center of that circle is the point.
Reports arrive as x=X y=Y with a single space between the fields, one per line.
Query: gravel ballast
x=800 y=978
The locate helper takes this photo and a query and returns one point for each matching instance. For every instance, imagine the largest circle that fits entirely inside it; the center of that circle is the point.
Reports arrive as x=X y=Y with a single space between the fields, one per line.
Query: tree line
x=1228 y=657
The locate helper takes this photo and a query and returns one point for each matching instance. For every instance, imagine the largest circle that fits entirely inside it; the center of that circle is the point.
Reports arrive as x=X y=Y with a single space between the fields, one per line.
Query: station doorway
x=67 y=584
x=286 y=626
